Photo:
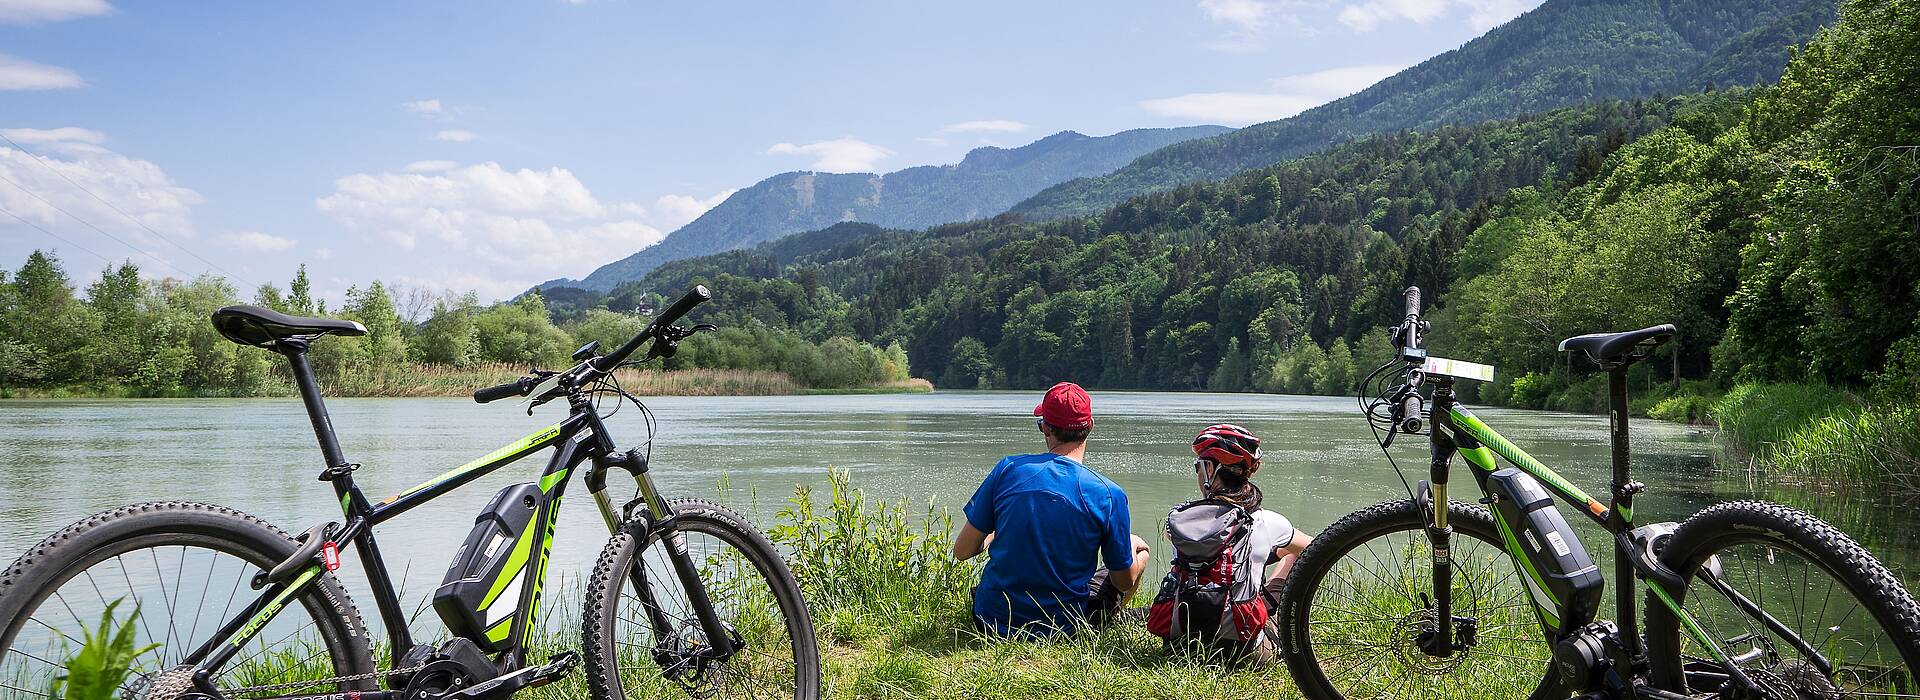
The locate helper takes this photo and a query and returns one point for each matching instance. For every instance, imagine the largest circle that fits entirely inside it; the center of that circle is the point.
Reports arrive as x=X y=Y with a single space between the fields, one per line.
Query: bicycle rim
x=1368 y=600
x=650 y=662
x=182 y=587
x=1814 y=603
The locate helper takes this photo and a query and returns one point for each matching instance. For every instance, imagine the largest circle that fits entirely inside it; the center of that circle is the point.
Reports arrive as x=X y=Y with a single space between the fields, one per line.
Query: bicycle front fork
x=660 y=519
x=1440 y=640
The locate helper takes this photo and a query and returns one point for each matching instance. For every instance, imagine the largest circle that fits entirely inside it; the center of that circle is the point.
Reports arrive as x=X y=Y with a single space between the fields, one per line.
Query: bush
x=868 y=570
x=1530 y=390
x=1691 y=409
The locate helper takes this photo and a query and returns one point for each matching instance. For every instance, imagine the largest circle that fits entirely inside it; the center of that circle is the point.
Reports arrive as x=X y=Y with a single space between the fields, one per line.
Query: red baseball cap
x=1066 y=406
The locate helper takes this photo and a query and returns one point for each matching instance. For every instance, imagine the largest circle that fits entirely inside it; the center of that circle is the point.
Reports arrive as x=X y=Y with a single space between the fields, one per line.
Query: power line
x=89 y=224
x=56 y=236
x=110 y=205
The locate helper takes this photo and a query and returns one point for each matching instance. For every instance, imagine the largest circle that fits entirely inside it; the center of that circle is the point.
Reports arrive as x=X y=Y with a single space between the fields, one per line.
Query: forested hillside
x=1562 y=53
x=1779 y=227
x=1158 y=292
x=985 y=183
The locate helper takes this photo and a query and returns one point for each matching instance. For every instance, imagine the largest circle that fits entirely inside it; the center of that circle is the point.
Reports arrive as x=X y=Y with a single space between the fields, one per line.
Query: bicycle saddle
x=1608 y=348
x=257 y=326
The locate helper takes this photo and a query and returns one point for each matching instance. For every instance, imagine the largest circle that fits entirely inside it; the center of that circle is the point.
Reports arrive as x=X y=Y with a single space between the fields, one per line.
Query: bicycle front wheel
x=1360 y=599
x=644 y=639
x=1797 y=606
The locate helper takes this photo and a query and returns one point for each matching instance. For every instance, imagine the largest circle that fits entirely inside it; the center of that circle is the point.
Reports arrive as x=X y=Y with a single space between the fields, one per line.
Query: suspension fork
x=1440 y=451
x=660 y=519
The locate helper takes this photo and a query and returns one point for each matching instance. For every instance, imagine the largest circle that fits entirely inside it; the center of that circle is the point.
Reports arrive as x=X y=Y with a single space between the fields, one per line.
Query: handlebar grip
x=1410 y=414
x=517 y=387
x=1413 y=301
x=694 y=297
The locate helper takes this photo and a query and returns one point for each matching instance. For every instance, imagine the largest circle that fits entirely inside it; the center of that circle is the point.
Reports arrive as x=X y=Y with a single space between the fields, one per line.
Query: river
x=62 y=460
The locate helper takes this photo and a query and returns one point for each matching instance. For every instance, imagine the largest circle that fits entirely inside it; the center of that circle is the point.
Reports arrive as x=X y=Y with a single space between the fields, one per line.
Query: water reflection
x=66 y=459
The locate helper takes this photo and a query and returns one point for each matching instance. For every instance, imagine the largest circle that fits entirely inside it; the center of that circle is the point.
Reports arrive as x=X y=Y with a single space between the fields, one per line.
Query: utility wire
x=56 y=236
x=89 y=224
x=110 y=205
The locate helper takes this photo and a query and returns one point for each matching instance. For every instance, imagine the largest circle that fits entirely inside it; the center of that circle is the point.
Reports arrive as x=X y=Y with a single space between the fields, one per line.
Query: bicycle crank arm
x=529 y=677
x=347 y=695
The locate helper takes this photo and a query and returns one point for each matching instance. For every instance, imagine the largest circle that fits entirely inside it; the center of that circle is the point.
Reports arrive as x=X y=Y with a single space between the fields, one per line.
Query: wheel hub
x=1406 y=642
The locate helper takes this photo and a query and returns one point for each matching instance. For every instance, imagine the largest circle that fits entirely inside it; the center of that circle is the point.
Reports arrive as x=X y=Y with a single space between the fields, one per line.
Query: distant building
x=644 y=308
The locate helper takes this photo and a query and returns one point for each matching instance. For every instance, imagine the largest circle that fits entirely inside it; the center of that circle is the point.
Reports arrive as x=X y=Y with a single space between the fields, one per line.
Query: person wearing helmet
x=1226 y=456
x=1048 y=522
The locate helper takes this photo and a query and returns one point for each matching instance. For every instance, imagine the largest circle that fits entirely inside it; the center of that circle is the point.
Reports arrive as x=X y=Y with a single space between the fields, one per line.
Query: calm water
x=62 y=460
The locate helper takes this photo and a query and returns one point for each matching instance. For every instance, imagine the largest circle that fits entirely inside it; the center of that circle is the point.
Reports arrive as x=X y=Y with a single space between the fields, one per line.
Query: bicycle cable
x=1374 y=420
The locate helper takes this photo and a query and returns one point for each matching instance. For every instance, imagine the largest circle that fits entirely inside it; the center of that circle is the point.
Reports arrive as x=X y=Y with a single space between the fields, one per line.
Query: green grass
x=1880 y=446
x=1754 y=418
x=1814 y=430
x=96 y=670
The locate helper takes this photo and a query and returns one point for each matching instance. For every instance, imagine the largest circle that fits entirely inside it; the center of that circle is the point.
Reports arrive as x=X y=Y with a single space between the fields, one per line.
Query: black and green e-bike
x=1430 y=597
x=687 y=599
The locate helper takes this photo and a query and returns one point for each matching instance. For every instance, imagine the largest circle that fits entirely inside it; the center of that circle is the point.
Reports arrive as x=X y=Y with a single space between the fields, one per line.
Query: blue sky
x=491 y=145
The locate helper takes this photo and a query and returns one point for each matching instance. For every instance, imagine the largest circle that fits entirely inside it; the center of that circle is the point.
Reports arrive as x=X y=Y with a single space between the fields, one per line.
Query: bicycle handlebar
x=1413 y=302
x=598 y=366
x=694 y=297
x=517 y=387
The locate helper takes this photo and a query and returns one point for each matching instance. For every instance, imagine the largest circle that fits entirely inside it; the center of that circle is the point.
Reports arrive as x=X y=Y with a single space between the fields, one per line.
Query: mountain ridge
x=1542 y=60
x=985 y=182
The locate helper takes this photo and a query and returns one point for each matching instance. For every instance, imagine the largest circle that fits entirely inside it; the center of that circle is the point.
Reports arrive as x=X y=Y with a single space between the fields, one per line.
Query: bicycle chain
x=175 y=683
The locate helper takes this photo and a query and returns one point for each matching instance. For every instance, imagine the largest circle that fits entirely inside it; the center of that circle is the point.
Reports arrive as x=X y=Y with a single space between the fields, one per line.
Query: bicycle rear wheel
x=1360 y=597
x=1860 y=628
x=185 y=567
x=643 y=638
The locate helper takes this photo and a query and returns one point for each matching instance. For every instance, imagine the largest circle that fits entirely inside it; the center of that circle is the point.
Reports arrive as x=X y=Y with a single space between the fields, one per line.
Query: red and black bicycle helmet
x=1227 y=444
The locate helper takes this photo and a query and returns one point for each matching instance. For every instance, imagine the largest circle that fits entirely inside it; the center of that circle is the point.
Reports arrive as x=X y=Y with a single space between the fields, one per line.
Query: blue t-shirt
x=1050 y=517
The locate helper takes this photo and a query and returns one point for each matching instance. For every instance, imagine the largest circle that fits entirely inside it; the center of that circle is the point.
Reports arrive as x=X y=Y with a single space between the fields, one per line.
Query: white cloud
x=70 y=159
x=257 y=242
x=430 y=107
x=1481 y=14
x=323 y=253
x=66 y=135
x=675 y=210
x=1230 y=108
x=997 y=126
x=22 y=74
x=455 y=135
x=1249 y=21
x=1287 y=96
x=1248 y=15
x=37 y=11
x=487 y=228
x=429 y=166
x=842 y=155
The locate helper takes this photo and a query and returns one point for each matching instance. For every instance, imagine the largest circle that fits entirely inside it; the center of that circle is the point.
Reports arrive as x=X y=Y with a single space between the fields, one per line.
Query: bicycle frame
x=1456 y=430
x=578 y=438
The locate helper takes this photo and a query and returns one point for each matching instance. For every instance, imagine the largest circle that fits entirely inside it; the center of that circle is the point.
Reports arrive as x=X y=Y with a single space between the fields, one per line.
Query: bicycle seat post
x=295 y=349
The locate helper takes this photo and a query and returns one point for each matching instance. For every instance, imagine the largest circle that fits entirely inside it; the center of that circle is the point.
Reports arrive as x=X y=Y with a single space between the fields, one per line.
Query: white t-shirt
x=1271 y=531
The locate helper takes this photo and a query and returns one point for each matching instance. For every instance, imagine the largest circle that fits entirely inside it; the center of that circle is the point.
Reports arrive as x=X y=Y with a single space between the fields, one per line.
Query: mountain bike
x=687 y=598
x=1433 y=597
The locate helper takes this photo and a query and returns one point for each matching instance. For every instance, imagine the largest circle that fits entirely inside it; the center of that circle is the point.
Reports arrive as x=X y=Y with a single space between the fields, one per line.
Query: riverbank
x=428 y=380
x=1818 y=430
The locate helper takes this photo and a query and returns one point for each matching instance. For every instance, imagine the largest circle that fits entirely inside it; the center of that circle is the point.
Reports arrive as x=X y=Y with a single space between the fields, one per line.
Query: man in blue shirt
x=1047 y=522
